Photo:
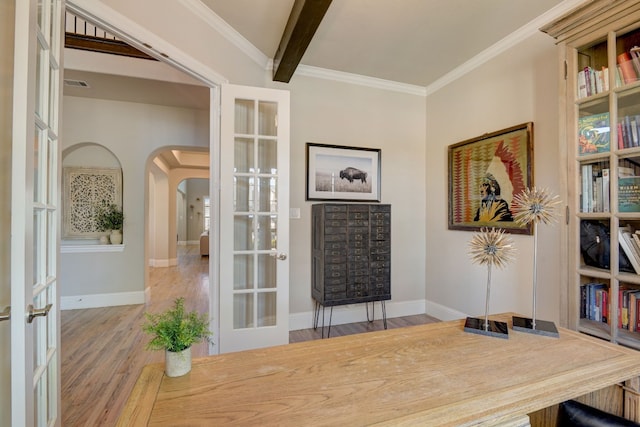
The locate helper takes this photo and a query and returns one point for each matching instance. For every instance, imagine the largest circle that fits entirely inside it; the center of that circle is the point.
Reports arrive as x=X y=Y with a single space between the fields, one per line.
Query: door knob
x=281 y=256
x=6 y=314
x=38 y=312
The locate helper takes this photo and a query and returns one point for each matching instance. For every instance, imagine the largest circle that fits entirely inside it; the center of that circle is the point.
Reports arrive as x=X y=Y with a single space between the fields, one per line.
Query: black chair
x=576 y=414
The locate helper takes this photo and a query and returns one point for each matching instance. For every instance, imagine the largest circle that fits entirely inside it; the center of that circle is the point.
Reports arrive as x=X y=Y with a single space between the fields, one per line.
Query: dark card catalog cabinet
x=351 y=253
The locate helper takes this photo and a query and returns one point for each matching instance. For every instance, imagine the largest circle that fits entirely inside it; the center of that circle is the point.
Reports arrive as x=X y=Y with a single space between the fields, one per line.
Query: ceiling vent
x=75 y=83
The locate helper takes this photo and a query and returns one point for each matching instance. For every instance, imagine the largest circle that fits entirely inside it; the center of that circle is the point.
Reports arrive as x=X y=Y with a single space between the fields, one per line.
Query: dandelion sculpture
x=534 y=206
x=490 y=247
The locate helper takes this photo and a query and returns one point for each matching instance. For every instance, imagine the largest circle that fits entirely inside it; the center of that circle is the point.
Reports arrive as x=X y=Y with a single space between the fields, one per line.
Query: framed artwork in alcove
x=86 y=189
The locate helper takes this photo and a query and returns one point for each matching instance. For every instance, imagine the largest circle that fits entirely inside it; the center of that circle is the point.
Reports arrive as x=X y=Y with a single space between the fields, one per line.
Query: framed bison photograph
x=336 y=172
x=485 y=173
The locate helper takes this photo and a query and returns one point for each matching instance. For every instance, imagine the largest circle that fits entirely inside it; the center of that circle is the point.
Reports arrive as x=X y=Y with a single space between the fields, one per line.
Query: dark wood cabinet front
x=351 y=255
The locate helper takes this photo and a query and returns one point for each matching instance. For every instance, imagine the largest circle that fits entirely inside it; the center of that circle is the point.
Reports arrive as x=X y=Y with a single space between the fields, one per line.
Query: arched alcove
x=91 y=179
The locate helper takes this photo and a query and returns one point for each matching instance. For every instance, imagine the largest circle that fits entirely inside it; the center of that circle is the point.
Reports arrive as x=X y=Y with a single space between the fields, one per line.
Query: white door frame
x=129 y=31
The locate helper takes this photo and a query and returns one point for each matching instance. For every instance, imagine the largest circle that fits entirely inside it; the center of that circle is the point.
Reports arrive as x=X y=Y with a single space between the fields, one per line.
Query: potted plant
x=110 y=218
x=175 y=331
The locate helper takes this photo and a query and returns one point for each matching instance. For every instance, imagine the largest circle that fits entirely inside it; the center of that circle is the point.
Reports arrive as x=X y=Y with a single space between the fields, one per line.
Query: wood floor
x=103 y=349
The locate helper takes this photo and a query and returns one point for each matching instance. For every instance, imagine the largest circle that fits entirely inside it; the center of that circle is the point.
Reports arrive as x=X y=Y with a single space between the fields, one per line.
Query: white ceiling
x=414 y=42
x=408 y=41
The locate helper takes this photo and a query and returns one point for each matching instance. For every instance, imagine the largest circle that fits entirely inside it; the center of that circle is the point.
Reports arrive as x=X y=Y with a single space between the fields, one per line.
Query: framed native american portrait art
x=485 y=173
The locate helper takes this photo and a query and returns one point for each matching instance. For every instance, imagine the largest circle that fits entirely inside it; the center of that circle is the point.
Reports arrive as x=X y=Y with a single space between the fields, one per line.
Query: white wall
x=518 y=86
x=132 y=131
x=328 y=112
x=158 y=217
x=429 y=263
x=197 y=189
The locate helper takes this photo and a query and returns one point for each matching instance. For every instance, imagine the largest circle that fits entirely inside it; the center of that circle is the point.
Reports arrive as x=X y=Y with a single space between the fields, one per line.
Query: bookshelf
x=600 y=131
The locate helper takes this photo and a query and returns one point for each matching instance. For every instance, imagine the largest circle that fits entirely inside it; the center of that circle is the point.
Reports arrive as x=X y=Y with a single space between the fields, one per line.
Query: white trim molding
x=357 y=79
x=506 y=43
x=89 y=248
x=443 y=313
x=356 y=313
x=101 y=300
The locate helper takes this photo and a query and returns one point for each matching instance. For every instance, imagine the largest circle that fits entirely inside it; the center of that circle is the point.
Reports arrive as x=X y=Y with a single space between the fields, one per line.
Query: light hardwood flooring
x=103 y=349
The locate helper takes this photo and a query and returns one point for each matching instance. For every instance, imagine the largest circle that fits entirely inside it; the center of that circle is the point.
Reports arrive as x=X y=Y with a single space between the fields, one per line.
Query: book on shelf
x=625 y=171
x=628 y=131
x=605 y=190
x=595 y=189
x=591 y=81
x=593 y=134
x=629 y=309
x=594 y=302
x=629 y=194
x=627 y=245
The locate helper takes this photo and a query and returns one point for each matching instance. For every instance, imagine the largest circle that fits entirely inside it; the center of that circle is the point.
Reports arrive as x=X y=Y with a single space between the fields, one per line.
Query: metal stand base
x=316 y=315
x=543 y=327
x=496 y=329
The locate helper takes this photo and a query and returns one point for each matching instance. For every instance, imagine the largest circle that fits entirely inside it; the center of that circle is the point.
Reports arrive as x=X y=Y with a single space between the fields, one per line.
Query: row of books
x=592 y=81
x=594 y=302
x=629 y=132
x=595 y=190
x=595 y=306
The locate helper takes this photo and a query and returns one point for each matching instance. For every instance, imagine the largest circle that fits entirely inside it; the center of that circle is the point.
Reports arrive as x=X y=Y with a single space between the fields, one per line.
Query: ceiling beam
x=303 y=22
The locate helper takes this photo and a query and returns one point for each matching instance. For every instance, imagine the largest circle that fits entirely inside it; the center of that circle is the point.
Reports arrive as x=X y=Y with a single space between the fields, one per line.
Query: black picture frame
x=342 y=173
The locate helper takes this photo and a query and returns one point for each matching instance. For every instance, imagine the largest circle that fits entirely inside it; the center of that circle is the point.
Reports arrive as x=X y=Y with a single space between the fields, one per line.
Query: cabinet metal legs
x=373 y=312
x=316 y=315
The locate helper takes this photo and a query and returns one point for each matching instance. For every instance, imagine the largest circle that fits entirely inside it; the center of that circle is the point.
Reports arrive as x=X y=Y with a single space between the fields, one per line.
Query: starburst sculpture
x=535 y=206
x=490 y=247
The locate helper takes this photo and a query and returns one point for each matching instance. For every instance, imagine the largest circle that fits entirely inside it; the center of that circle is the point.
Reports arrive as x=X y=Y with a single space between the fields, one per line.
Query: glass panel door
x=254 y=289
x=34 y=206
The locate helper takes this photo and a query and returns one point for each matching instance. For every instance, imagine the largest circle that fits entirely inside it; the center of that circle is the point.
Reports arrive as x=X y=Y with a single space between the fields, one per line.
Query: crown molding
x=358 y=79
x=142 y=39
x=488 y=54
x=227 y=31
x=506 y=43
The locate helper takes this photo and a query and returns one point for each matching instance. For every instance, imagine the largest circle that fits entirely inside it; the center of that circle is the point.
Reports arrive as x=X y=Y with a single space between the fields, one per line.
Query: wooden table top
x=434 y=374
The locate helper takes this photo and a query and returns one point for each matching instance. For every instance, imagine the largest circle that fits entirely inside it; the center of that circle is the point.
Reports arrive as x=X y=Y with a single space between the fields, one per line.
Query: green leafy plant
x=109 y=217
x=176 y=330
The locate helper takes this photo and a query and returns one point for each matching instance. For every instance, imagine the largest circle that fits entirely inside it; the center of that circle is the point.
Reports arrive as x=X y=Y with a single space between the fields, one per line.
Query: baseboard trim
x=341 y=314
x=442 y=312
x=356 y=313
x=163 y=262
x=101 y=300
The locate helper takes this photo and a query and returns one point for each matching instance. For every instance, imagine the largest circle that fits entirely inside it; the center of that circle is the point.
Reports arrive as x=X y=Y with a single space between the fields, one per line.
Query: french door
x=35 y=385
x=254 y=221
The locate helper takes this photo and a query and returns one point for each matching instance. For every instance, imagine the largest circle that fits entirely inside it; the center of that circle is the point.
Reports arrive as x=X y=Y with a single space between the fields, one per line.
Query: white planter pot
x=115 y=237
x=177 y=363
